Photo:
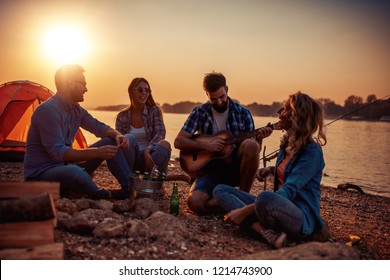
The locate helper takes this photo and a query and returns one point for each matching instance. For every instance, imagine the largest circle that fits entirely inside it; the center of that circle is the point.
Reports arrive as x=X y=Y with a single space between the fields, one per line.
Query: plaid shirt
x=153 y=124
x=201 y=120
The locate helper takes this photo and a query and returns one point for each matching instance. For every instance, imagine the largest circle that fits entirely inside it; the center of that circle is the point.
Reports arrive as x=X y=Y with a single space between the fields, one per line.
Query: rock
x=85 y=221
x=308 y=251
x=109 y=228
x=67 y=206
x=167 y=228
x=101 y=204
x=121 y=206
x=137 y=228
x=144 y=207
x=63 y=219
x=82 y=204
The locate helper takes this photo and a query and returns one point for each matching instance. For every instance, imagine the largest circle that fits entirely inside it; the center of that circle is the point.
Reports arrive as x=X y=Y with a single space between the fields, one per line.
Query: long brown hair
x=307 y=118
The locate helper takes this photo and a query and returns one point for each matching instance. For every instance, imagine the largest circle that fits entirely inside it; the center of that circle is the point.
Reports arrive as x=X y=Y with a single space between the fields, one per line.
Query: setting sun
x=65 y=44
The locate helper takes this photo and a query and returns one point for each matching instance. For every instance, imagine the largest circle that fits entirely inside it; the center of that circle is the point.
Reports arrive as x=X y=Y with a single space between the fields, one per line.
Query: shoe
x=276 y=239
x=117 y=194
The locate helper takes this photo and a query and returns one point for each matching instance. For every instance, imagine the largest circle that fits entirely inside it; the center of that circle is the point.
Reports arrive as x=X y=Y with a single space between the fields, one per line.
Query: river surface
x=357 y=152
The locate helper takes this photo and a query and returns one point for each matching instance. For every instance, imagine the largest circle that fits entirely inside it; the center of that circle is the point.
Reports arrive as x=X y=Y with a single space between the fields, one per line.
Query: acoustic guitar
x=193 y=162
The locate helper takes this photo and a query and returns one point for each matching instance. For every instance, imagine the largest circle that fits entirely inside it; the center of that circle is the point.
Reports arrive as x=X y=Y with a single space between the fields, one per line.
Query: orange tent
x=18 y=100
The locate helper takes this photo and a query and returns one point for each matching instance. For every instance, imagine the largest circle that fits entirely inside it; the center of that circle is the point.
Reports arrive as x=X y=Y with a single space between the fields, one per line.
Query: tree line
x=355 y=107
x=372 y=108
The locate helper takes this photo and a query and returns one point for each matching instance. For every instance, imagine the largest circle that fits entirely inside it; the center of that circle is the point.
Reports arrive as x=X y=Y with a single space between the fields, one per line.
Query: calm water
x=357 y=152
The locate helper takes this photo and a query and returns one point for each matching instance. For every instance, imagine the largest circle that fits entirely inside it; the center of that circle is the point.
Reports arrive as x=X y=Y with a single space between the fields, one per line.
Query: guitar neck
x=248 y=134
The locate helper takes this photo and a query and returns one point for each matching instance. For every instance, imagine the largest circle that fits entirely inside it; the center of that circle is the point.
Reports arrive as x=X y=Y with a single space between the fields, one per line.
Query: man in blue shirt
x=218 y=160
x=54 y=124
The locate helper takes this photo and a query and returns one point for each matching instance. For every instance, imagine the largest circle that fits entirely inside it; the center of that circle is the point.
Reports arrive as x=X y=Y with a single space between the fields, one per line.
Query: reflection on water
x=357 y=152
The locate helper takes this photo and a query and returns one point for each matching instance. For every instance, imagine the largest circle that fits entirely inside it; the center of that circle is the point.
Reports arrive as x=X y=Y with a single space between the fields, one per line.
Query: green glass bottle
x=174 y=206
x=161 y=177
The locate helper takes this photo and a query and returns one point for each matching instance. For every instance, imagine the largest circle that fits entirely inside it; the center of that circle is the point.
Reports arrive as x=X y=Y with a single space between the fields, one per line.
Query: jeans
x=77 y=177
x=160 y=156
x=279 y=213
x=230 y=198
x=217 y=173
x=272 y=210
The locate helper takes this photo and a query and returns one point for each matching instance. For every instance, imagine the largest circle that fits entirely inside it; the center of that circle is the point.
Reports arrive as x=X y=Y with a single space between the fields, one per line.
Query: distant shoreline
x=118 y=108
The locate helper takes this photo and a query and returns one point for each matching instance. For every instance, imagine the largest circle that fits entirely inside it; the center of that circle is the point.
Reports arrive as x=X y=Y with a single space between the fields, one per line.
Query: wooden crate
x=30 y=239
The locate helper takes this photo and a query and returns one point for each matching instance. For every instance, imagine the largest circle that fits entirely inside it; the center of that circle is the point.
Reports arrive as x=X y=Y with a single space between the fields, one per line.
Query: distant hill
x=111 y=108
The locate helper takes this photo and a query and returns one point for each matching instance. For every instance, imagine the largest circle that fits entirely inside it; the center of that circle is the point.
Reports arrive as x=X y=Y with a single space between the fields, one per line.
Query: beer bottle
x=161 y=177
x=154 y=173
x=174 y=206
x=140 y=175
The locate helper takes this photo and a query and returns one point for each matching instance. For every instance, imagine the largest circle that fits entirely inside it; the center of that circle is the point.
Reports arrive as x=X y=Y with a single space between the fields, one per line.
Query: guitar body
x=193 y=162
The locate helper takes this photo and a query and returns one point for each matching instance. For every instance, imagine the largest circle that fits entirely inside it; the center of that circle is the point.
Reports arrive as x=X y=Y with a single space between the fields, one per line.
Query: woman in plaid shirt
x=143 y=120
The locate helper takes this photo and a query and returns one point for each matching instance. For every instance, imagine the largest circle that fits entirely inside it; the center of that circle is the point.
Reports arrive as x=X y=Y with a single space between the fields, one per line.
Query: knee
x=132 y=139
x=262 y=200
x=165 y=144
x=249 y=148
x=264 y=197
x=196 y=205
x=220 y=190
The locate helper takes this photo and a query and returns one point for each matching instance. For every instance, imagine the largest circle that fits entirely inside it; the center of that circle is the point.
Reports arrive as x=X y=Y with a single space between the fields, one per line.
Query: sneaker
x=276 y=239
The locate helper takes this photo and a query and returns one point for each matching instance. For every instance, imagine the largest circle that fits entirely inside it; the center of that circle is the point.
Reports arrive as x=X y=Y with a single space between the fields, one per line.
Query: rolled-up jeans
x=272 y=210
x=77 y=177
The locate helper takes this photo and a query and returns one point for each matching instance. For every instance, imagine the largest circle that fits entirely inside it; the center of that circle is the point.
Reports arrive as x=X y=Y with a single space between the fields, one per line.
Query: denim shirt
x=54 y=125
x=302 y=179
x=201 y=120
x=153 y=124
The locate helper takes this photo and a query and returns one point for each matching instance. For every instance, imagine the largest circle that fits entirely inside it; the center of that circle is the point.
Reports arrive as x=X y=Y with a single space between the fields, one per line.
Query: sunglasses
x=141 y=90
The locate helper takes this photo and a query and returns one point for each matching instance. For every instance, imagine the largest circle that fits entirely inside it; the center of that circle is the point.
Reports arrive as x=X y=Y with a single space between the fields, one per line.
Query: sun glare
x=65 y=44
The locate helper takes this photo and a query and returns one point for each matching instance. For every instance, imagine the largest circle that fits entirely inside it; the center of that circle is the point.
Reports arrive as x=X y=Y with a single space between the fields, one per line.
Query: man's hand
x=106 y=152
x=263 y=132
x=215 y=145
x=122 y=141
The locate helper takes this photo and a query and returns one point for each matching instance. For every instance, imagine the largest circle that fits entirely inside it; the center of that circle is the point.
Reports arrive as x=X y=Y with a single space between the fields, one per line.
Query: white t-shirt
x=140 y=135
x=219 y=120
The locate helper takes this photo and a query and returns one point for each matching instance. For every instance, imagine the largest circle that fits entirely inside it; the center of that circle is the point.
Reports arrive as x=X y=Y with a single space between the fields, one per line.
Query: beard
x=220 y=109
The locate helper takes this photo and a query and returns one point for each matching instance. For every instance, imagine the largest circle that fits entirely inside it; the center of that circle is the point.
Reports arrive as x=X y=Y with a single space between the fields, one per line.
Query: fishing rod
x=339 y=118
x=364 y=106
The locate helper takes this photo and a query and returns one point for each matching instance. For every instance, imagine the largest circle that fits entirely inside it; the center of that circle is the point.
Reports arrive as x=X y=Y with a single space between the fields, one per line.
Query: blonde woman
x=293 y=209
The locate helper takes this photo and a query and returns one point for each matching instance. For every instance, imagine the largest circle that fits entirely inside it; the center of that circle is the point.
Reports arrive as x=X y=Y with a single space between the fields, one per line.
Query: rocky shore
x=358 y=224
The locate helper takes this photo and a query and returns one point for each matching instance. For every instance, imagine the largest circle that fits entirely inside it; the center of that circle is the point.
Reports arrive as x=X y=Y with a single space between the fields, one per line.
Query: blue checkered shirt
x=201 y=120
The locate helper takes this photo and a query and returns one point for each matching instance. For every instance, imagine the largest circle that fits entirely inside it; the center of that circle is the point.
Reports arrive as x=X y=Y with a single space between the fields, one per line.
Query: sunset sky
x=266 y=49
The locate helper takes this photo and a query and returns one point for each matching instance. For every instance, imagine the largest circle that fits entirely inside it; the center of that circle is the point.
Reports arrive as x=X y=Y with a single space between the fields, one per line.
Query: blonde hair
x=307 y=123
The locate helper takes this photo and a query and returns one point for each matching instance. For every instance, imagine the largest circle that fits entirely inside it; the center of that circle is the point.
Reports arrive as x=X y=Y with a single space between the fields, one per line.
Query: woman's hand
x=237 y=216
x=149 y=163
x=263 y=173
